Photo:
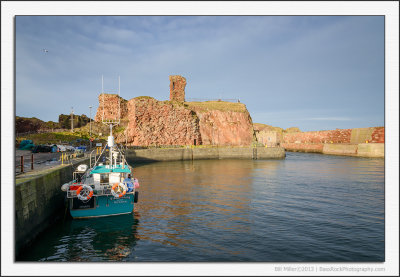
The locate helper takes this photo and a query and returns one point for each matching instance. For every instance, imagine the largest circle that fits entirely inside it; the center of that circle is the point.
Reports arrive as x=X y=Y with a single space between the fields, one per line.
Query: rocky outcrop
x=24 y=124
x=34 y=125
x=153 y=122
x=225 y=127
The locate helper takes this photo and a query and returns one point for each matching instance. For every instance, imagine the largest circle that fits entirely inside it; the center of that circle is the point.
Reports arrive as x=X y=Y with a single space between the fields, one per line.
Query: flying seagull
x=45 y=50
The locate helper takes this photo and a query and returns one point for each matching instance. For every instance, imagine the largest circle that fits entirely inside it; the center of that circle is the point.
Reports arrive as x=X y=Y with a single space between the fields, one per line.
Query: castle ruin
x=177 y=88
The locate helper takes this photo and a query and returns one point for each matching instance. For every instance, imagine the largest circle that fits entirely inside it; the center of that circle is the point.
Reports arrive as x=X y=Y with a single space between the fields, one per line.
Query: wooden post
x=32 y=161
x=22 y=164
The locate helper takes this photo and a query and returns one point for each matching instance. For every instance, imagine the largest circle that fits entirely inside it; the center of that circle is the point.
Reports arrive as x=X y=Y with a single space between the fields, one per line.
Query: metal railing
x=104 y=190
x=21 y=163
x=212 y=99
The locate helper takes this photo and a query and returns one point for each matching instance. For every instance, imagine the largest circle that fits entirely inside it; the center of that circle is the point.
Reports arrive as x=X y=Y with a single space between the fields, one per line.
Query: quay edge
x=207 y=153
x=39 y=202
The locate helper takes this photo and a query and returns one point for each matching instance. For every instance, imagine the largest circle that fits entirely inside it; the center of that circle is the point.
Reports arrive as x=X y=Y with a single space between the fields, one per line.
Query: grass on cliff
x=52 y=138
x=265 y=127
x=217 y=105
x=100 y=132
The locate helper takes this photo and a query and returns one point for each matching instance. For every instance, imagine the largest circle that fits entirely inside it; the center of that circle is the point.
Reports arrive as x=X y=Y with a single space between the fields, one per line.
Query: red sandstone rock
x=225 y=127
x=153 y=122
x=109 y=104
x=378 y=135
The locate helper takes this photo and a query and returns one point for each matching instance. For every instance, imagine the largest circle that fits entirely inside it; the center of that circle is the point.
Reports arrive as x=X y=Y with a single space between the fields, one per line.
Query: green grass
x=52 y=138
x=217 y=105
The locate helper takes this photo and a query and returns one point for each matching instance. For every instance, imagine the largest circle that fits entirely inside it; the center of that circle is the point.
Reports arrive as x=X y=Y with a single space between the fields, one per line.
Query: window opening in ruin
x=173 y=85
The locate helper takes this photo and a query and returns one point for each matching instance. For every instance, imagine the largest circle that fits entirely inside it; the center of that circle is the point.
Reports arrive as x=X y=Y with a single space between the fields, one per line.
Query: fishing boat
x=105 y=187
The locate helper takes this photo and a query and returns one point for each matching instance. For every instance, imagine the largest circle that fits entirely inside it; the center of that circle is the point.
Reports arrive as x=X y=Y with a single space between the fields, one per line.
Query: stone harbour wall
x=362 y=142
x=39 y=202
x=181 y=154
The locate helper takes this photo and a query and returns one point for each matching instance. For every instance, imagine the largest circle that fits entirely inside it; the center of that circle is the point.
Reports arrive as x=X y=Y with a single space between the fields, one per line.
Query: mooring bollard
x=22 y=164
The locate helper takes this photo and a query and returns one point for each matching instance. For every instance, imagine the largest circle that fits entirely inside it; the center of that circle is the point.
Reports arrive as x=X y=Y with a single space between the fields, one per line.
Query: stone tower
x=177 y=88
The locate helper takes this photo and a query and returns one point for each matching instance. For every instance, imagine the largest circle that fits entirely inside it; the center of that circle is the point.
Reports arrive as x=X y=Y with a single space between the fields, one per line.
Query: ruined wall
x=153 y=122
x=177 y=88
x=110 y=104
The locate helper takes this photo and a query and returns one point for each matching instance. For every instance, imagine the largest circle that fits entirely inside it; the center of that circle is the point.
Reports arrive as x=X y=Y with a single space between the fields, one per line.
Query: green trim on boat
x=103 y=169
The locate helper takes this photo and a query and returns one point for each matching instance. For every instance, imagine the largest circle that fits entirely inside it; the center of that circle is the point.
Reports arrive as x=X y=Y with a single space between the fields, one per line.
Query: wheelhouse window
x=104 y=178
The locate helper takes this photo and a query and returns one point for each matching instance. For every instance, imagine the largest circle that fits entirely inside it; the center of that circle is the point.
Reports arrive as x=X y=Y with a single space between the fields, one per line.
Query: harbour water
x=305 y=208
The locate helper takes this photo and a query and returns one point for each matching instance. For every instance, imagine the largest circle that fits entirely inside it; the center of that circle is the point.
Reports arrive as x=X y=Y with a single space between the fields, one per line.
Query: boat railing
x=103 y=189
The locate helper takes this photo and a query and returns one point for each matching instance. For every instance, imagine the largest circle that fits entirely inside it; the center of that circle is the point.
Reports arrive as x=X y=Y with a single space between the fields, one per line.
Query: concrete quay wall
x=369 y=150
x=181 y=154
x=39 y=202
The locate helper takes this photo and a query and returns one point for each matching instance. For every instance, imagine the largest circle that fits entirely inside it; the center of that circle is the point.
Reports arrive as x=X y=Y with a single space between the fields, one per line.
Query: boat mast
x=111 y=122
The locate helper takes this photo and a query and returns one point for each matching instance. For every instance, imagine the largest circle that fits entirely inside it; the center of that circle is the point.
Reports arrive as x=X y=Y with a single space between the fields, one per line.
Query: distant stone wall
x=303 y=147
x=363 y=142
x=353 y=136
x=330 y=136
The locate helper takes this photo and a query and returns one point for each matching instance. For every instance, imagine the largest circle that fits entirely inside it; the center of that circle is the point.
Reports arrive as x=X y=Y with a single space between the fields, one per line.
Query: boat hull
x=100 y=206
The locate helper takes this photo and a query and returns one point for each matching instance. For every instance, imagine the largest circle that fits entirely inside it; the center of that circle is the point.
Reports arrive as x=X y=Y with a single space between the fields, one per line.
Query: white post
x=90 y=126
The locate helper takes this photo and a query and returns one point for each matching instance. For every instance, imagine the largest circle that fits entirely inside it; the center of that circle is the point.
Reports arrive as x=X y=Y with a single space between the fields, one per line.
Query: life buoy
x=116 y=194
x=84 y=196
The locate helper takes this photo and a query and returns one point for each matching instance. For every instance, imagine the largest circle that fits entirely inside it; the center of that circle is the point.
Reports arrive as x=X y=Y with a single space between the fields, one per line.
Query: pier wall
x=353 y=136
x=361 y=142
x=369 y=150
x=181 y=154
x=38 y=203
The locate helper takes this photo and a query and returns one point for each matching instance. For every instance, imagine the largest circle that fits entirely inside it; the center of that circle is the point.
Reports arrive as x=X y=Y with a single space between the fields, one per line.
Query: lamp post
x=90 y=126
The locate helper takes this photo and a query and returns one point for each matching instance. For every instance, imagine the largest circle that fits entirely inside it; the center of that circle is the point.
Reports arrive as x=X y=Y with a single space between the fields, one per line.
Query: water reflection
x=308 y=207
x=98 y=239
x=185 y=202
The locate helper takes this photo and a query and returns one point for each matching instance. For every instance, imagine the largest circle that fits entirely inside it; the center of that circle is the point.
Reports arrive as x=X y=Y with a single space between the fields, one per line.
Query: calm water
x=308 y=207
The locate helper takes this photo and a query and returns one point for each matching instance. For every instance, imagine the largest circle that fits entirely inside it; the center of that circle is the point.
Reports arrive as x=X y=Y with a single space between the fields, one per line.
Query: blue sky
x=312 y=72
